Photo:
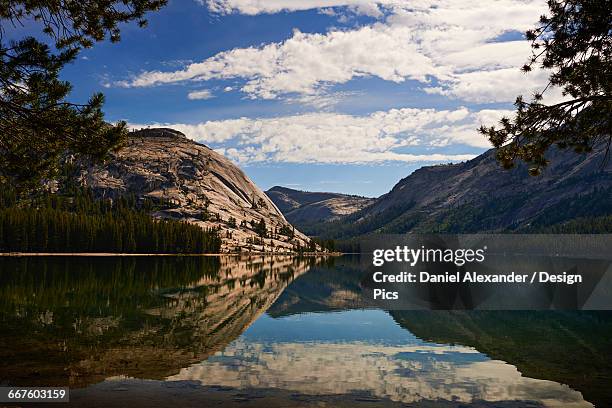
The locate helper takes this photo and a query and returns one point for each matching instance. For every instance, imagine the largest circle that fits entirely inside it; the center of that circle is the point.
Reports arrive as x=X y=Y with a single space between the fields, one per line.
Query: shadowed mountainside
x=573 y=195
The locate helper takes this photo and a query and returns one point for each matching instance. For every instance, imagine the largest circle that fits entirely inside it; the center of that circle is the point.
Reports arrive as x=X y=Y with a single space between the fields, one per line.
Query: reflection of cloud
x=401 y=373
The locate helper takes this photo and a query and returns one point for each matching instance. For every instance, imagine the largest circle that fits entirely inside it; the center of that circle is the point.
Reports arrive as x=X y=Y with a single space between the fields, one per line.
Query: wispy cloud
x=322 y=100
x=384 y=136
x=200 y=94
x=253 y=7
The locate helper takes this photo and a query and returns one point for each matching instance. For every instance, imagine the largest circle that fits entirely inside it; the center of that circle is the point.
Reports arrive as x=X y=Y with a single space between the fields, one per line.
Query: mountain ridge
x=480 y=196
x=302 y=208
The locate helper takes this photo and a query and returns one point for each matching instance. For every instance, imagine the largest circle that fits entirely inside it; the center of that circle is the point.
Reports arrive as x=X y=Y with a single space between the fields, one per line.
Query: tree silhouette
x=574 y=42
x=37 y=124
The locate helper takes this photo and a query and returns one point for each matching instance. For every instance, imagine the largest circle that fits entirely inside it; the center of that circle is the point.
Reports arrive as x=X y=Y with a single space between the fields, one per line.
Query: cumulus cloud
x=200 y=94
x=454 y=43
x=384 y=136
x=306 y=62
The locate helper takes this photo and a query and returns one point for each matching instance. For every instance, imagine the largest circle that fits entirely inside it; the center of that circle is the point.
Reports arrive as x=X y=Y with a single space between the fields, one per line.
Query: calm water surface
x=279 y=332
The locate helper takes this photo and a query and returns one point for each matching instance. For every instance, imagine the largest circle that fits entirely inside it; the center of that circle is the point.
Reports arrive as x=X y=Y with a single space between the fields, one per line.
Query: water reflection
x=196 y=326
x=378 y=360
x=77 y=321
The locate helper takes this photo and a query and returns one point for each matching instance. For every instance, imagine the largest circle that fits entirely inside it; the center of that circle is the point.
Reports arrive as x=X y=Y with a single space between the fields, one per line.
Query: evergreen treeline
x=582 y=225
x=77 y=222
x=586 y=213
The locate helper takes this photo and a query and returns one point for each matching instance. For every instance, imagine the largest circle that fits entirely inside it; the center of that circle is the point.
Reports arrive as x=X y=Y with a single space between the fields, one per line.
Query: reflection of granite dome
x=192 y=182
x=144 y=317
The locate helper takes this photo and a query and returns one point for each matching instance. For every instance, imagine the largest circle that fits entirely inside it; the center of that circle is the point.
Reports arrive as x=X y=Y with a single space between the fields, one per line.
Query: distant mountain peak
x=573 y=193
x=285 y=189
x=304 y=207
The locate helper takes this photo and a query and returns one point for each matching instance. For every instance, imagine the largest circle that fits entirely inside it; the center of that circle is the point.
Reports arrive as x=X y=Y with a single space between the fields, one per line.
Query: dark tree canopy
x=75 y=220
x=574 y=42
x=37 y=124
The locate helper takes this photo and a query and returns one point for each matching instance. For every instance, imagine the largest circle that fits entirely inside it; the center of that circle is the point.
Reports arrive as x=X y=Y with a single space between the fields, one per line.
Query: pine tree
x=79 y=223
x=574 y=42
x=38 y=125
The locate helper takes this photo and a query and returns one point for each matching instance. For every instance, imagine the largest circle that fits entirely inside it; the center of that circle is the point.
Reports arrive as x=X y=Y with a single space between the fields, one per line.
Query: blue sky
x=349 y=98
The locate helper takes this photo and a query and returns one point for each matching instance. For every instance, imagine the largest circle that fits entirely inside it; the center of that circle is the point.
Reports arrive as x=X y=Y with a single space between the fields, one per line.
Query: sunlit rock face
x=192 y=182
x=410 y=371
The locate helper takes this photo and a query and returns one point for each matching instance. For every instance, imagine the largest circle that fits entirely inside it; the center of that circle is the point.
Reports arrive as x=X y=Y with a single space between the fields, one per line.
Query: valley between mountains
x=573 y=195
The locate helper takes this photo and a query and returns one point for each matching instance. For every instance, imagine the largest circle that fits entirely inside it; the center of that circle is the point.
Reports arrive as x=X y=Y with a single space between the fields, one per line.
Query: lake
x=279 y=332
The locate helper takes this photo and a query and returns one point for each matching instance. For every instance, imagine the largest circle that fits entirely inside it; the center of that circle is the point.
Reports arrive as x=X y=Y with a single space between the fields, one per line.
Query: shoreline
x=119 y=254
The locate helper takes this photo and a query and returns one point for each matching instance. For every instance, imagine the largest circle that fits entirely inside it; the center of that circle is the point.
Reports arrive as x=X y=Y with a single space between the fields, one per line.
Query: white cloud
x=321 y=100
x=305 y=63
x=446 y=40
x=327 y=11
x=384 y=136
x=253 y=7
x=200 y=94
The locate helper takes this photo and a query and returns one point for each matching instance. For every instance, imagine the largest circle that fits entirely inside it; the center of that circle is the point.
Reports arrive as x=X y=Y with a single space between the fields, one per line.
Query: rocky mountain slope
x=187 y=180
x=302 y=208
x=574 y=191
